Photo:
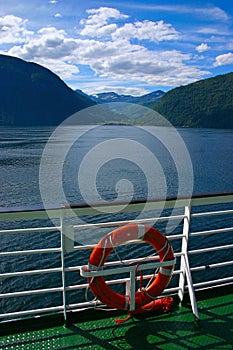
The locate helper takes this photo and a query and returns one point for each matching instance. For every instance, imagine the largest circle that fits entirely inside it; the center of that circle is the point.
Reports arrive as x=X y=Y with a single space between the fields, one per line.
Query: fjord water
x=21 y=149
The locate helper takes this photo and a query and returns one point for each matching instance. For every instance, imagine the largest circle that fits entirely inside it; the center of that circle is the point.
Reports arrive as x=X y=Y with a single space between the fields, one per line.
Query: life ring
x=114 y=239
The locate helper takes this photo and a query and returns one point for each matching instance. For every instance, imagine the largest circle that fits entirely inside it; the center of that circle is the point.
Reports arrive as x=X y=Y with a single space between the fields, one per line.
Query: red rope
x=164 y=304
x=121 y=320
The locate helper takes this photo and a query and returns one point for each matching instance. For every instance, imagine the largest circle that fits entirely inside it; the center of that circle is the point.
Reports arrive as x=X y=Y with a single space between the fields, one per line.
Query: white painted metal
x=67 y=242
x=184 y=250
x=31 y=292
x=210 y=232
x=29 y=252
x=191 y=287
x=132 y=289
x=63 y=264
x=31 y=312
x=211 y=249
x=184 y=265
x=123 y=269
x=211 y=283
x=211 y=266
x=212 y=213
x=29 y=273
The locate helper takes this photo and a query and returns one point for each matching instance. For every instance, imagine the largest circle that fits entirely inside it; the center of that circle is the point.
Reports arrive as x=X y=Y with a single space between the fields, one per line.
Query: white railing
x=184 y=270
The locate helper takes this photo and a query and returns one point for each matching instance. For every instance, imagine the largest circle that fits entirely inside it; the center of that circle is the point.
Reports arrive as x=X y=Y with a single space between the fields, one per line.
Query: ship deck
x=177 y=329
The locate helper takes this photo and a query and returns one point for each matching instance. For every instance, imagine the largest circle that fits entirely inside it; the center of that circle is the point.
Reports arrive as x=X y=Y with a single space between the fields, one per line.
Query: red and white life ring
x=114 y=239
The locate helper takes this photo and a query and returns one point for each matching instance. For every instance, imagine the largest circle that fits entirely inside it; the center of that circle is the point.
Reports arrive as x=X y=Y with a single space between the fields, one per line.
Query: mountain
x=151 y=99
x=207 y=103
x=32 y=95
x=148 y=100
x=106 y=97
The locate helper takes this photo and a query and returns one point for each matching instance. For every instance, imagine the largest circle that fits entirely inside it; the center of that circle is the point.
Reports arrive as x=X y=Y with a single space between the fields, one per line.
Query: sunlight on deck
x=176 y=330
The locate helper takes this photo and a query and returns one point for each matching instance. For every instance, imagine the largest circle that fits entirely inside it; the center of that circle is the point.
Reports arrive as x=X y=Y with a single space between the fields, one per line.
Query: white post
x=184 y=249
x=184 y=265
x=132 y=290
x=63 y=265
x=191 y=289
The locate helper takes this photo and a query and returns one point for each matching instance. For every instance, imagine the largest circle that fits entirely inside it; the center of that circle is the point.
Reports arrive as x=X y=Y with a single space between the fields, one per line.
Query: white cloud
x=208 y=12
x=147 y=30
x=121 y=90
x=107 y=49
x=58 y=15
x=214 y=30
x=212 y=12
x=48 y=42
x=101 y=16
x=99 y=31
x=202 y=48
x=126 y=62
x=13 y=29
x=97 y=22
x=224 y=59
x=97 y=25
x=62 y=69
x=50 y=48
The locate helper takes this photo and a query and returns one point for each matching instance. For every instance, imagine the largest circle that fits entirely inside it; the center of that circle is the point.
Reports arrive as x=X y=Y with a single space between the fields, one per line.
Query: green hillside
x=32 y=95
x=207 y=103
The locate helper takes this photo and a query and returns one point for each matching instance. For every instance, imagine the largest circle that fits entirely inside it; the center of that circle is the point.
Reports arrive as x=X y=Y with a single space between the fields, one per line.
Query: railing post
x=191 y=289
x=63 y=265
x=184 y=250
x=132 y=290
x=184 y=264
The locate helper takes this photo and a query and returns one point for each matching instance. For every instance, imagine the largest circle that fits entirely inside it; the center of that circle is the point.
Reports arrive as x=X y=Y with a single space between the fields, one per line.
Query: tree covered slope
x=207 y=103
x=32 y=95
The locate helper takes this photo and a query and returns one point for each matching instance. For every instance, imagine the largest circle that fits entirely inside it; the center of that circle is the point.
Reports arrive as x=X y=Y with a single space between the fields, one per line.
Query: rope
x=120 y=320
x=115 y=251
x=166 y=245
x=98 y=268
x=102 y=258
x=141 y=280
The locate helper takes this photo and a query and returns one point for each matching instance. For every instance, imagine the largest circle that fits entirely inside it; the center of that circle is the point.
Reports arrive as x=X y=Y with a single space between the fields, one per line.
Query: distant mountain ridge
x=148 y=100
x=32 y=95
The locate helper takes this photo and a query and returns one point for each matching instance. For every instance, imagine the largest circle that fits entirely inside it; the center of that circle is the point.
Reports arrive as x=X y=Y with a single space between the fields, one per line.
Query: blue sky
x=130 y=47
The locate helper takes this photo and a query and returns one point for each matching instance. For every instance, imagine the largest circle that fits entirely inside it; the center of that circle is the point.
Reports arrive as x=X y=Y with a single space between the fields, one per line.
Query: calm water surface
x=21 y=149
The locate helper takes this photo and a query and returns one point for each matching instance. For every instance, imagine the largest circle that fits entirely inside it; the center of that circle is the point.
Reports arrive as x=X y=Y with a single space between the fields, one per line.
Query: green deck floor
x=176 y=330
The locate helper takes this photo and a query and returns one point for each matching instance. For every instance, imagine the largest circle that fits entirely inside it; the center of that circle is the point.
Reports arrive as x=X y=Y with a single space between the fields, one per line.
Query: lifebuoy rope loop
x=115 y=251
x=159 y=269
x=157 y=283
